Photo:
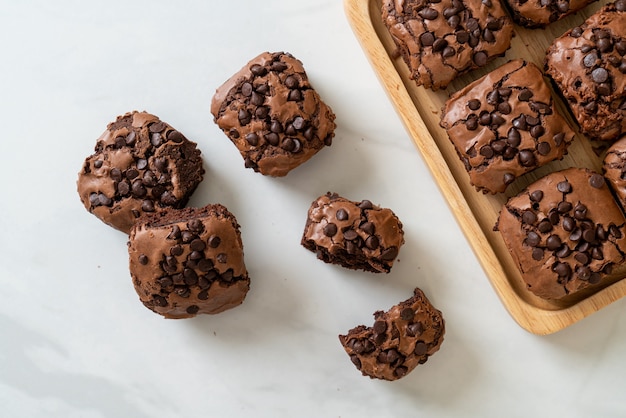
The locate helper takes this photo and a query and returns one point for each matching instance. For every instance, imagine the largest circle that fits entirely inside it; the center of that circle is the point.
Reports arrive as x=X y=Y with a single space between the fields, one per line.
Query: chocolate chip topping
x=270 y=141
x=507 y=116
x=356 y=235
x=569 y=226
x=133 y=168
x=399 y=340
x=186 y=257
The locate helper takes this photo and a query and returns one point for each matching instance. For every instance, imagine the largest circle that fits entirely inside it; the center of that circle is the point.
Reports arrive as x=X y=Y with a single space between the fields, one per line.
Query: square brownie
x=565 y=232
x=504 y=125
x=588 y=64
x=540 y=13
x=440 y=39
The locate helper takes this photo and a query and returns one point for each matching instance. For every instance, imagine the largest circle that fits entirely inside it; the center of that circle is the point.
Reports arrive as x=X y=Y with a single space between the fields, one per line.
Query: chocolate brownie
x=400 y=339
x=271 y=113
x=140 y=165
x=588 y=64
x=441 y=39
x=565 y=232
x=540 y=13
x=185 y=262
x=355 y=235
x=504 y=125
x=615 y=169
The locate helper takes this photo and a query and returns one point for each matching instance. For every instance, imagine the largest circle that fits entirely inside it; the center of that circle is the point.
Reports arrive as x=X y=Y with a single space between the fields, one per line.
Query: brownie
x=588 y=64
x=140 y=165
x=614 y=168
x=504 y=125
x=540 y=13
x=271 y=113
x=400 y=339
x=355 y=235
x=185 y=262
x=565 y=232
x=441 y=39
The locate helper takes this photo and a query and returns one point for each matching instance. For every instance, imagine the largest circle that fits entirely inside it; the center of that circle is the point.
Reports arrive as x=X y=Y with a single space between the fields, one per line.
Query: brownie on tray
x=504 y=125
x=588 y=64
x=441 y=39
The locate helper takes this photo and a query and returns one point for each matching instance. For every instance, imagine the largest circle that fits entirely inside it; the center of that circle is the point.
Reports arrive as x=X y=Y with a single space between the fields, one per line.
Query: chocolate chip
x=600 y=75
x=420 y=348
x=590 y=60
x=471 y=123
x=159 y=300
x=529 y=217
x=252 y=139
x=564 y=187
x=461 y=36
x=520 y=123
x=480 y=58
x=350 y=235
x=258 y=70
x=525 y=95
x=246 y=89
x=513 y=137
x=372 y=242
x=379 y=327
x=576 y=32
x=508 y=178
x=536 y=196
x=342 y=215
x=596 y=181
x=564 y=251
x=562 y=6
x=439 y=44
x=330 y=229
x=427 y=39
x=428 y=13
x=389 y=254
x=532 y=239
x=407 y=314
x=448 y=52
x=504 y=108
x=272 y=139
x=527 y=158
x=620 y=5
x=544 y=226
x=143 y=259
x=553 y=242
x=365 y=204
x=537 y=254
x=214 y=241
x=244 y=117
x=591 y=107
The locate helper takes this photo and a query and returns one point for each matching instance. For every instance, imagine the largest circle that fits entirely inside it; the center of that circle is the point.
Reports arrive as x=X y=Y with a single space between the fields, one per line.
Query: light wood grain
x=475 y=212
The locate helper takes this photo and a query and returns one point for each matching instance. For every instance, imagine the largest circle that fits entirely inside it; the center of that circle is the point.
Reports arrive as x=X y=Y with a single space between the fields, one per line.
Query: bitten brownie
x=185 y=262
x=140 y=165
x=565 y=232
x=441 y=39
x=271 y=113
x=504 y=125
x=540 y=13
x=615 y=169
x=588 y=64
x=355 y=235
x=400 y=339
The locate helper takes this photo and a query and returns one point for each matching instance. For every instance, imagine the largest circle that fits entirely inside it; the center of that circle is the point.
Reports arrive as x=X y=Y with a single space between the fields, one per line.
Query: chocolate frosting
x=189 y=261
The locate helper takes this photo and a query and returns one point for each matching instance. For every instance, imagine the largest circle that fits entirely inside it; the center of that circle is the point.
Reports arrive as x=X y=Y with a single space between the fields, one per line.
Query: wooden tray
x=475 y=212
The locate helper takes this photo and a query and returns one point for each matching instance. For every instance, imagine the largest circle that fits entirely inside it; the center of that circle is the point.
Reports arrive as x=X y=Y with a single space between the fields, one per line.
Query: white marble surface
x=76 y=342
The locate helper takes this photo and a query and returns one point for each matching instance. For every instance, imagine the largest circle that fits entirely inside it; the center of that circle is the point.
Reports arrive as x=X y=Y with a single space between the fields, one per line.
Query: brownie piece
x=140 y=165
x=441 y=39
x=588 y=64
x=540 y=13
x=400 y=339
x=185 y=262
x=504 y=125
x=615 y=169
x=271 y=113
x=565 y=232
x=355 y=235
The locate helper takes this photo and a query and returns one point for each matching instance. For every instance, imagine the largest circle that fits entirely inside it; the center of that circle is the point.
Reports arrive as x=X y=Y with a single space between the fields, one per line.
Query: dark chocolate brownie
x=441 y=39
x=615 y=169
x=588 y=64
x=355 y=235
x=540 y=13
x=141 y=165
x=565 y=232
x=504 y=125
x=272 y=114
x=400 y=339
x=185 y=262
